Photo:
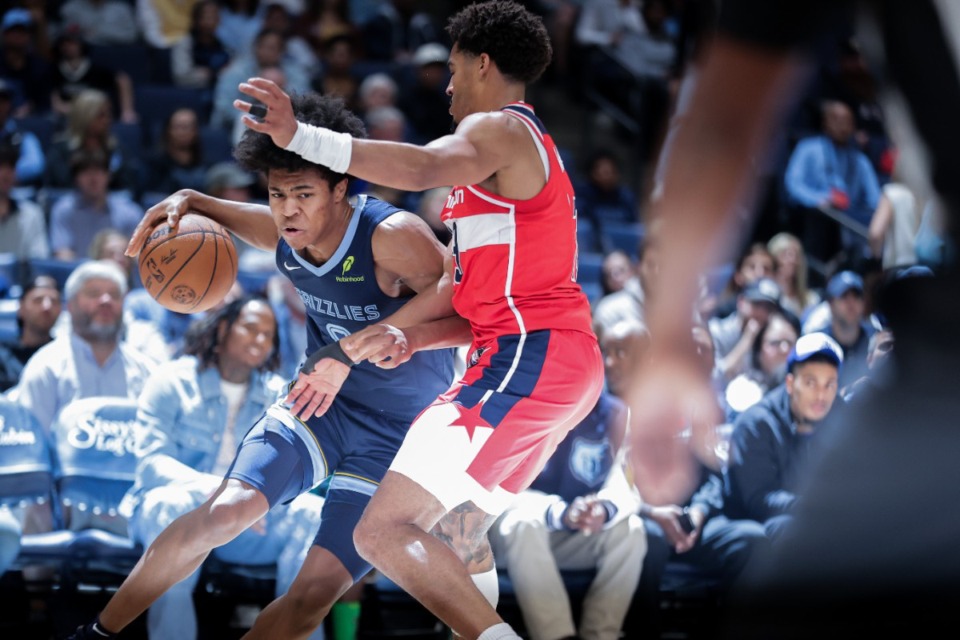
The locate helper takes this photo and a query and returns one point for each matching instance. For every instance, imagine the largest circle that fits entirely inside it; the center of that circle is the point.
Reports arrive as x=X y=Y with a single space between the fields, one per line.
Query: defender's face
x=463 y=83
x=305 y=209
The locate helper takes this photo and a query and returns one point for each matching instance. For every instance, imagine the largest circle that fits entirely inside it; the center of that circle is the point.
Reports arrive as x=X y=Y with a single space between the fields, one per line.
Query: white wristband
x=322 y=146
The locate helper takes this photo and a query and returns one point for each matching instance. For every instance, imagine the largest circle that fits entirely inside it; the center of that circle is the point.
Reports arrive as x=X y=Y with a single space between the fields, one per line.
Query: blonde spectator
x=790 y=272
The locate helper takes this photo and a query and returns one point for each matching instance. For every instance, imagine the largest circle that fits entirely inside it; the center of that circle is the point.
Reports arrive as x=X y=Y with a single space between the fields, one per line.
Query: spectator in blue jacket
x=772 y=440
x=194 y=412
x=828 y=171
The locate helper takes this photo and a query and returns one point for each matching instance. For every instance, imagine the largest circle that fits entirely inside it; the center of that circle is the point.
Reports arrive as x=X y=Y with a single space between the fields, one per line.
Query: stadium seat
x=587 y=239
x=155 y=103
x=59 y=270
x=41 y=126
x=95 y=443
x=254 y=281
x=589 y=267
x=132 y=59
x=216 y=144
x=27 y=482
x=623 y=236
x=9 y=331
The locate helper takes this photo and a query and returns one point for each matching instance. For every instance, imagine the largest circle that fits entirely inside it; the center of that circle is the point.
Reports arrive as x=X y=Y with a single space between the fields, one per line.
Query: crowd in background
x=108 y=106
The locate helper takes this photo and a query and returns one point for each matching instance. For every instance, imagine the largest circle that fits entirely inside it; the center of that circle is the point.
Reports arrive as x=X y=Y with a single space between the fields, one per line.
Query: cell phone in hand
x=686 y=523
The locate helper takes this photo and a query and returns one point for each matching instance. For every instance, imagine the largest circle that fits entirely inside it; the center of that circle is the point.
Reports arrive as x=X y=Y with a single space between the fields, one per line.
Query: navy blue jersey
x=342 y=296
x=583 y=459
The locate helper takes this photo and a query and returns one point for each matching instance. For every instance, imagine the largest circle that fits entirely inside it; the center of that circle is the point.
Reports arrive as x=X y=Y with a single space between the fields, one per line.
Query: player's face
x=462 y=87
x=96 y=311
x=813 y=388
x=306 y=210
x=249 y=341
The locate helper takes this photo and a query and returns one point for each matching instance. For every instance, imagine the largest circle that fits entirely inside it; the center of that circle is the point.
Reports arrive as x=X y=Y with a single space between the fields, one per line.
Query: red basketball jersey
x=515 y=261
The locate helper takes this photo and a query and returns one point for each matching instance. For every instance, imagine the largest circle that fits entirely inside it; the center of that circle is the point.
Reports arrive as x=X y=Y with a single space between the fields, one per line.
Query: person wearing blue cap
x=771 y=440
x=847 y=326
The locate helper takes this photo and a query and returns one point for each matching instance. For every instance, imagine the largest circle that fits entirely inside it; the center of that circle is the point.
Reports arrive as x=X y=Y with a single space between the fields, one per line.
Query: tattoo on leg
x=464 y=530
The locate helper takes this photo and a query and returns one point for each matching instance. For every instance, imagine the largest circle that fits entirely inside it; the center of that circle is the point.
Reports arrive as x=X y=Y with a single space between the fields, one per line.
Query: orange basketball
x=190 y=269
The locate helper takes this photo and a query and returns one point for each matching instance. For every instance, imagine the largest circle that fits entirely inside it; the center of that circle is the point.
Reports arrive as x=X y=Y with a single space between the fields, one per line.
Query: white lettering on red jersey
x=515 y=260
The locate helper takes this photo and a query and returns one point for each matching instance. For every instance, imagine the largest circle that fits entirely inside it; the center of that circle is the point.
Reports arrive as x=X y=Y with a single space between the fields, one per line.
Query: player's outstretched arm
x=251 y=222
x=741 y=93
x=482 y=145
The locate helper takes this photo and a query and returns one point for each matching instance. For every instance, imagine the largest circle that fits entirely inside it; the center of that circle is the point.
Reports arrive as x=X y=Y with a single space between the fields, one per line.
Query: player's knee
x=367 y=536
x=309 y=602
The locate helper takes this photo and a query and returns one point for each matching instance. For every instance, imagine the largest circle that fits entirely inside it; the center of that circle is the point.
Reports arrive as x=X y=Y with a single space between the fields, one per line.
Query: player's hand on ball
x=313 y=393
x=273 y=116
x=169 y=209
x=381 y=344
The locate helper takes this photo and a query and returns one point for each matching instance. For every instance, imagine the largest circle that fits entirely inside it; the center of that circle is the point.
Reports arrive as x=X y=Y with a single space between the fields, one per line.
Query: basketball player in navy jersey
x=354 y=262
x=535 y=369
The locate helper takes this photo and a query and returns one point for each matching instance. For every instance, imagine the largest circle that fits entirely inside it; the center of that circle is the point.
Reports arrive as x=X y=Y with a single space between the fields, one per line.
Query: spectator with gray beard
x=90 y=360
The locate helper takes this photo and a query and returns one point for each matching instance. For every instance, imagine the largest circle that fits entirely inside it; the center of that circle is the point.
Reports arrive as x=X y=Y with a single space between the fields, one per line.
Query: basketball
x=189 y=269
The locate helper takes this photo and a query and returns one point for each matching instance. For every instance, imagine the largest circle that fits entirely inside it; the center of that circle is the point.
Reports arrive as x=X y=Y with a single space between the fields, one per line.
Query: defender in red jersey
x=534 y=368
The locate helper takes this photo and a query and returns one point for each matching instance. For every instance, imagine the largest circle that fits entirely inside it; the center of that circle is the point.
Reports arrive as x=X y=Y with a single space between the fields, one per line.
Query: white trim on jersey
x=511 y=228
x=484 y=229
x=537 y=139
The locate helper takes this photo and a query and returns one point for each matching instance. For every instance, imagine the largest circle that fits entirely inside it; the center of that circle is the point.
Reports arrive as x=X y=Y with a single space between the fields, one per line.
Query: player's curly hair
x=257 y=152
x=203 y=338
x=512 y=36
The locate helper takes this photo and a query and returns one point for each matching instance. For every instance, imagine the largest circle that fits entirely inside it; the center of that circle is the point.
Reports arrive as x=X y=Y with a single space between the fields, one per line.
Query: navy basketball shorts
x=283 y=456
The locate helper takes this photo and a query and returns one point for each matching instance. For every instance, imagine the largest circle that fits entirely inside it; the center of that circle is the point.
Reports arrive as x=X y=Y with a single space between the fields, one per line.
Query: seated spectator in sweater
x=828 y=171
x=579 y=513
x=616 y=271
x=163 y=23
x=772 y=441
x=89 y=208
x=628 y=303
x=376 y=90
x=29 y=159
x=194 y=411
x=23 y=229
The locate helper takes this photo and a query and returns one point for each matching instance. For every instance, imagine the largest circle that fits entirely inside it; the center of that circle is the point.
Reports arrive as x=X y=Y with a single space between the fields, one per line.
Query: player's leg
x=331 y=567
x=182 y=547
x=394 y=536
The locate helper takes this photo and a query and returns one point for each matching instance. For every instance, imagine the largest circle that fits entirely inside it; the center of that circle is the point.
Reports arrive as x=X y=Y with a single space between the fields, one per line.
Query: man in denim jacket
x=194 y=412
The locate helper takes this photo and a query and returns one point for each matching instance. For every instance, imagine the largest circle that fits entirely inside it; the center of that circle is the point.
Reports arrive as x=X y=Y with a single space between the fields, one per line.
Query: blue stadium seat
x=95 y=443
x=8 y=320
x=155 y=103
x=593 y=291
x=41 y=126
x=216 y=144
x=27 y=481
x=587 y=239
x=130 y=137
x=9 y=275
x=589 y=267
x=59 y=270
x=254 y=281
x=132 y=59
x=623 y=236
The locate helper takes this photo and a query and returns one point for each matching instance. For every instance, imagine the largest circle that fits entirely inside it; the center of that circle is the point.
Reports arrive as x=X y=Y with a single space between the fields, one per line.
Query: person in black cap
x=26 y=72
x=771 y=440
